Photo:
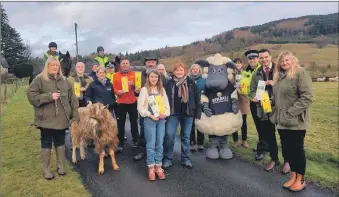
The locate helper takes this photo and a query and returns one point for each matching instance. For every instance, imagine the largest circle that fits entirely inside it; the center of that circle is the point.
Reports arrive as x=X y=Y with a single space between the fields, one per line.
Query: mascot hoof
x=212 y=153
x=225 y=152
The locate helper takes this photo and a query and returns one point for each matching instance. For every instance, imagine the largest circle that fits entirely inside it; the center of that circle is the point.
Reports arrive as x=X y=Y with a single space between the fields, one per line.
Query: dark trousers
x=268 y=130
x=292 y=144
x=142 y=141
x=200 y=137
x=262 y=146
x=49 y=136
x=243 y=130
x=82 y=103
x=132 y=111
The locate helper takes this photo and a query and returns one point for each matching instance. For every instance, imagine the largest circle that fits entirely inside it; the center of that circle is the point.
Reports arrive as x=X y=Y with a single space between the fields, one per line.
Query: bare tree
x=28 y=49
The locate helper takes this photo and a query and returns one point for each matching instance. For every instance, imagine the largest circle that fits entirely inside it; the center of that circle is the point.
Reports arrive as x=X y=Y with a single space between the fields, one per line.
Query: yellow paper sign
x=265 y=101
x=160 y=104
x=77 y=89
x=124 y=82
x=244 y=84
x=138 y=79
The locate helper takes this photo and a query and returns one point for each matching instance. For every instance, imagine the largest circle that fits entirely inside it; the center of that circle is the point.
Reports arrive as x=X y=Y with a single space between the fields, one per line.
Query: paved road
x=207 y=178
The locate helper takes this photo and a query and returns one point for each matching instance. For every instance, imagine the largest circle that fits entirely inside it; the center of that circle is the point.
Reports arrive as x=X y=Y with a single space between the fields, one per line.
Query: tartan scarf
x=183 y=88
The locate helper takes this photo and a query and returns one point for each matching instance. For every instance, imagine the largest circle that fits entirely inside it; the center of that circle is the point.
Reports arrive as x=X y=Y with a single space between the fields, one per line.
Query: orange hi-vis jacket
x=128 y=97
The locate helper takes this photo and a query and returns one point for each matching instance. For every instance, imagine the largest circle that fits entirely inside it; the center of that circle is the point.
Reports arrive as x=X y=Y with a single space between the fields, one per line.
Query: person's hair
x=237 y=60
x=50 y=60
x=264 y=51
x=159 y=84
x=101 y=68
x=195 y=65
x=123 y=58
x=180 y=65
x=163 y=66
x=291 y=73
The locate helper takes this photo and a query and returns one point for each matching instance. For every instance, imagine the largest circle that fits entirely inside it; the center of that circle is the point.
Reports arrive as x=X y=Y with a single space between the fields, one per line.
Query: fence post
x=5 y=93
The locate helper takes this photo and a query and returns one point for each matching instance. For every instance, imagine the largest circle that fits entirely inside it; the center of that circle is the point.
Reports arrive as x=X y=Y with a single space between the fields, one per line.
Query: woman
x=164 y=76
x=292 y=98
x=184 y=100
x=55 y=106
x=195 y=74
x=101 y=91
x=244 y=104
x=83 y=80
x=154 y=123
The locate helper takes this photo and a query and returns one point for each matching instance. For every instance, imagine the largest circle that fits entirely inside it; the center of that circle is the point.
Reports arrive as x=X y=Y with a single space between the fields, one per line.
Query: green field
x=321 y=141
x=21 y=166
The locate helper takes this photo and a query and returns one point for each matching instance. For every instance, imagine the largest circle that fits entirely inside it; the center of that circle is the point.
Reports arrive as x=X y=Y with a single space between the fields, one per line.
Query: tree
x=11 y=42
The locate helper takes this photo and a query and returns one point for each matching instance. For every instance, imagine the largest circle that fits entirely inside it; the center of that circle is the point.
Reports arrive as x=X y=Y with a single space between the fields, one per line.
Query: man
x=150 y=63
x=51 y=52
x=101 y=58
x=253 y=66
x=266 y=128
x=127 y=103
x=93 y=74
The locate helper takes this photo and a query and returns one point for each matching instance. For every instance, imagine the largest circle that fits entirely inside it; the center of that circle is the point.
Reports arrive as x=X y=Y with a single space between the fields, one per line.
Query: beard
x=149 y=69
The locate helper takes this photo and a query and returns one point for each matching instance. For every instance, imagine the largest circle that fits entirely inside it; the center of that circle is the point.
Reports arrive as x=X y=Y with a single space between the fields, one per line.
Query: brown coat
x=47 y=114
x=244 y=104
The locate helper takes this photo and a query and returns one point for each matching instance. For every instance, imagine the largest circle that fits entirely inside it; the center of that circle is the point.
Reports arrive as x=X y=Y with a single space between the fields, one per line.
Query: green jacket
x=48 y=53
x=292 y=99
x=39 y=94
x=101 y=60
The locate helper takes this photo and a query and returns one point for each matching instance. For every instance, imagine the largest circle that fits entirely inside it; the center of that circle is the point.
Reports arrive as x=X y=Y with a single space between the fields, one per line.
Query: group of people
x=288 y=85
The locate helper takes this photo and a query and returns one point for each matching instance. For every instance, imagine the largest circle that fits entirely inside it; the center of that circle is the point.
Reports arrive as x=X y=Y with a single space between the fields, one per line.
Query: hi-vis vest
x=49 y=55
x=245 y=80
x=110 y=76
x=101 y=60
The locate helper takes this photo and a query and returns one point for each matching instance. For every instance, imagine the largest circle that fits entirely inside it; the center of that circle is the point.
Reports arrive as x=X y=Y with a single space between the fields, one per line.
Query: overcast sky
x=133 y=26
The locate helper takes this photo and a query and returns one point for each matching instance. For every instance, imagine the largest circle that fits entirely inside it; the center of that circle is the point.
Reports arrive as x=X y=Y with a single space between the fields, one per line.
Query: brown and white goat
x=95 y=123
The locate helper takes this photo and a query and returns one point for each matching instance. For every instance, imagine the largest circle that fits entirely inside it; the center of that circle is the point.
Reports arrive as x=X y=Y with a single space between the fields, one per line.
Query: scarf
x=195 y=77
x=183 y=88
x=124 y=71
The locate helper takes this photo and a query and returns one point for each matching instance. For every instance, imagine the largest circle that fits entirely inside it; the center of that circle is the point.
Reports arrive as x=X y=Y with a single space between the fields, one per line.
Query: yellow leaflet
x=124 y=82
x=265 y=101
x=77 y=89
x=160 y=104
x=244 y=84
x=138 y=79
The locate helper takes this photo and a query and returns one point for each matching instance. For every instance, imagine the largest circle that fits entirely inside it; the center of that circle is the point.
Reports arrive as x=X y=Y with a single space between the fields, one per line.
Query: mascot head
x=219 y=72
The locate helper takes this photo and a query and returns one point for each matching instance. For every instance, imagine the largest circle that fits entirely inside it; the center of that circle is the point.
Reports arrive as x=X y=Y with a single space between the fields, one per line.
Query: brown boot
x=60 y=154
x=299 y=184
x=286 y=168
x=46 y=163
x=151 y=173
x=290 y=182
x=160 y=172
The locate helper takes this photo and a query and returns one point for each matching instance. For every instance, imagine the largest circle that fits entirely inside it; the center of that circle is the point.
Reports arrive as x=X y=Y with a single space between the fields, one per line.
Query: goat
x=95 y=123
x=321 y=79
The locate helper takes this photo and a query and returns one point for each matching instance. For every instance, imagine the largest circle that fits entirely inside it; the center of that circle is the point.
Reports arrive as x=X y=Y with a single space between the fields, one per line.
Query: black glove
x=235 y=106
x=206 y=109
x=111 y=106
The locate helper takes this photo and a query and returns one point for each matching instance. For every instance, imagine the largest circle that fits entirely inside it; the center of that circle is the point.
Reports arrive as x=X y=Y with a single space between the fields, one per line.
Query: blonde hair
x=101 y=68
x=50 y=60
x=194 y=65
x=291 y=73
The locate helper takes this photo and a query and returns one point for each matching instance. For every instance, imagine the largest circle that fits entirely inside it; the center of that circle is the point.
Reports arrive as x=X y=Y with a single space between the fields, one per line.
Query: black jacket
x=193 y=104
x=93 y=75
x=97 y=93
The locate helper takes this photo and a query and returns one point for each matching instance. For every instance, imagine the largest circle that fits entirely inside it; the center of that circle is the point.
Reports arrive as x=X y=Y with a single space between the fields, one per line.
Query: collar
x=269 y=66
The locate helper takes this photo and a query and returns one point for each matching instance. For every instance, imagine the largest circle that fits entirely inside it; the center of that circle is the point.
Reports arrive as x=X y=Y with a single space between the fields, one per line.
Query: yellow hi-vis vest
x=101 y=60
x=245 y=80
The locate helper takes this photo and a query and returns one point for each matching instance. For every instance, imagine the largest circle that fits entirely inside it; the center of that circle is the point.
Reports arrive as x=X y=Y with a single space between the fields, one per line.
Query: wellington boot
x=46 y=163
x=60 y=153
x=291 y=181
x=151 y=173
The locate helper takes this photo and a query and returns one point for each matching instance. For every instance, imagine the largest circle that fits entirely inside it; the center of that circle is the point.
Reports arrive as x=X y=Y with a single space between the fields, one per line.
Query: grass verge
x=20 y=157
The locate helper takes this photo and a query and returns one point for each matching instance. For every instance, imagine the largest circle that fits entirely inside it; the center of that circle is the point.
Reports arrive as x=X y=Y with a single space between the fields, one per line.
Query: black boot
x=139 y=156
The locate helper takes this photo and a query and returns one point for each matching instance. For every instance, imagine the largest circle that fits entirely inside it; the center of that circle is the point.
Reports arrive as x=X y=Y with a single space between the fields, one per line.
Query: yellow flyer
x=244 y=84
x=265 y=100
x=124 y=83
x=77 y=89
x=160 y=104
x=138 y=79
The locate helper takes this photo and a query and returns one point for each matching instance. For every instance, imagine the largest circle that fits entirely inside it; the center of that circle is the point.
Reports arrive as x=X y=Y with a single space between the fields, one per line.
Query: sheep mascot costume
x=221 y=116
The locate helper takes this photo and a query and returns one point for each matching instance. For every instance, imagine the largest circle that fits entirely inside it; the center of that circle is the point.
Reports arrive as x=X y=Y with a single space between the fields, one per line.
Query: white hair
x=163 y=66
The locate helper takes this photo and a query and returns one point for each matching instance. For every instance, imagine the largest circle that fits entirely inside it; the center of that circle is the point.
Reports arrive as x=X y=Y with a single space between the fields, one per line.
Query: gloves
x=235 y=106
x=206 y=109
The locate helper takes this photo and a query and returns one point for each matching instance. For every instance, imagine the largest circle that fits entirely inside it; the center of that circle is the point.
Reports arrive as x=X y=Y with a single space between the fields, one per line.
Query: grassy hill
x=308 y=54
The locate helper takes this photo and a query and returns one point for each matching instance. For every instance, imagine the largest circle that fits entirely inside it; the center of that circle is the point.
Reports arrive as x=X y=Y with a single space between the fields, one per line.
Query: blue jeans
x=185 y=132
x=154 y=135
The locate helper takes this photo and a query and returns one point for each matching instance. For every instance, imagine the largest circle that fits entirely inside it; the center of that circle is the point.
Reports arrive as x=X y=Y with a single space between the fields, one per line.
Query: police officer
x=51 y=52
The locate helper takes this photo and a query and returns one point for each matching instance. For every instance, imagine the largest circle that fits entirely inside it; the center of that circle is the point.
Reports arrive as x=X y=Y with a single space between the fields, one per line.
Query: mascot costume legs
x=221 y=116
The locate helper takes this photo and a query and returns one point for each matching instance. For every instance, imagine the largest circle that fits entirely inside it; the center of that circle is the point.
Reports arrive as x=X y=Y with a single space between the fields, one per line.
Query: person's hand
x=269 y=82
x=137 y=90
x=154 y=118
x=120 y=92
x=82 y=89
x=255 y=99
x=130 y=83
x=162 y=116
x=55 y=95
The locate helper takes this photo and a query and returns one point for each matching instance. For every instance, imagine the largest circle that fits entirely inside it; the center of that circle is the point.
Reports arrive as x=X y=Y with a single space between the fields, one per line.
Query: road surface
x=207 y=179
